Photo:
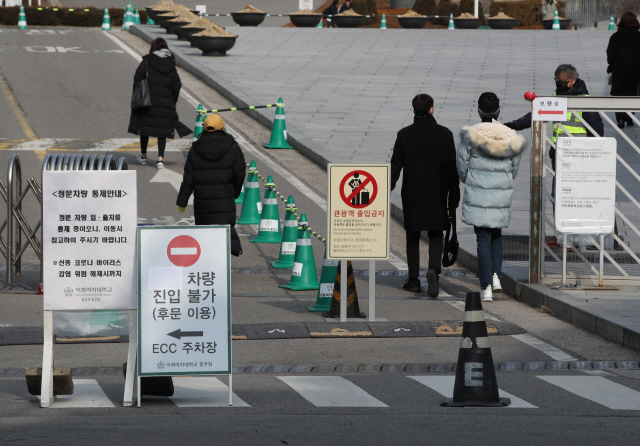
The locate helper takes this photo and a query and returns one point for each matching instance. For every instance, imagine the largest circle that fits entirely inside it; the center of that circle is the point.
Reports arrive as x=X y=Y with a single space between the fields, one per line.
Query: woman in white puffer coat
x=488 y=159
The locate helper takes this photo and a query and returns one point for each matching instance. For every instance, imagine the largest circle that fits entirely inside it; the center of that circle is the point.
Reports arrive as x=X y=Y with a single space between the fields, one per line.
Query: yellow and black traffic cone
x=353 y=308
x=476 y=383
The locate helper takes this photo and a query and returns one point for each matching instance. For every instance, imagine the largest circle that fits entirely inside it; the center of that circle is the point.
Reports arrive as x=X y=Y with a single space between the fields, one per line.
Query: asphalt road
x=71 y=101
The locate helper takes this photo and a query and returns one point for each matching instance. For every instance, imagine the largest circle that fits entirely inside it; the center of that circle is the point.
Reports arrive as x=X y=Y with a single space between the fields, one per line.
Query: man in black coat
x=430 y=187
x=214 y=172
x=331 y=11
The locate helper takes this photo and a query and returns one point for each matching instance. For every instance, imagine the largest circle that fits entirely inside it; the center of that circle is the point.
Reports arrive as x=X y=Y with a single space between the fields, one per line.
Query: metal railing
x=585 y=13
x=619 y=263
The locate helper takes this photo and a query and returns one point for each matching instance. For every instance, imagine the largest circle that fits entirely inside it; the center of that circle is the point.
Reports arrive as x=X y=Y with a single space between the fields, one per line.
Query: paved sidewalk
x=348 y=91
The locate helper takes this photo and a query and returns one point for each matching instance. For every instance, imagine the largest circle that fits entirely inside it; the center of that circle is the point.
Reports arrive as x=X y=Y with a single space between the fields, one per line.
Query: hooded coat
x=214 y=172
x=488 y=158
x=427 y=153
x=161 y=118
x=623 y=57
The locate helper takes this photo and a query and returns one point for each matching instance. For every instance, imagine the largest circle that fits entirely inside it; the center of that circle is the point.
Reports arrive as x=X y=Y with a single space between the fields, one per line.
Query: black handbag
x=450 y=251
x=141 y=97
x=236 y=246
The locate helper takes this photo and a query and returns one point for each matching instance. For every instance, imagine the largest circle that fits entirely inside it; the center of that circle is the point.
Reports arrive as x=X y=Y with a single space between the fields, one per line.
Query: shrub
x=425 y=7
x=445 y=8
x=79 y=17
x=527 y=13
x=366 y=7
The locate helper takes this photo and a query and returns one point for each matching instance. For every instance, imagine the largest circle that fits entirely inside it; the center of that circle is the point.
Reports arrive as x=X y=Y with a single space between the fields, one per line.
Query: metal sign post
x=184 y=301
x=89 y=232
x=358 y=221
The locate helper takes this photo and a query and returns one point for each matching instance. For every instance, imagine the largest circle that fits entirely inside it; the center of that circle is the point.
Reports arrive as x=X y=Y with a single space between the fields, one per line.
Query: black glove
x=511 y=125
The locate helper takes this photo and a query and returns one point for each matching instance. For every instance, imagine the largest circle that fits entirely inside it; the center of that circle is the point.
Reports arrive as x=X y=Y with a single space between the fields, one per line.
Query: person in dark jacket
x=344 y=7
x=623 y=57
x=331 y=10
x=430 y=187
x=568 y=83
x=159 y=120
x=214 y=172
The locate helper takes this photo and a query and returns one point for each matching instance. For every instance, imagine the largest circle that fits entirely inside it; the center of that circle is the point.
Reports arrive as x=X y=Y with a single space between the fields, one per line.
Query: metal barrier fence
x=618 y=259
x=585 y=13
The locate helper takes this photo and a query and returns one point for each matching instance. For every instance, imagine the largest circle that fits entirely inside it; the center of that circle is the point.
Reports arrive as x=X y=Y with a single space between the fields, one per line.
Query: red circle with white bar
x=183 y=251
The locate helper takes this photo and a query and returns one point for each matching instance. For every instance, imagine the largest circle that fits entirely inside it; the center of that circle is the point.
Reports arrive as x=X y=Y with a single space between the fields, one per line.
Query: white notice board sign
x=184 y=296
x=553 y=108
x=89 y=239
x=358 y=211
x=305 y=4
x=585 y=185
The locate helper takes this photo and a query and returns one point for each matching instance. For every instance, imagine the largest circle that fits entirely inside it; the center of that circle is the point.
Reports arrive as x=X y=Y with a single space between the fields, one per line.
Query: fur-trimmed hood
x=493 y=139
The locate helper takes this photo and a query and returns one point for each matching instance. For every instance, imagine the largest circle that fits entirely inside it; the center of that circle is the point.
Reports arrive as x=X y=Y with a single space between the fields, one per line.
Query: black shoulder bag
x=141 y=97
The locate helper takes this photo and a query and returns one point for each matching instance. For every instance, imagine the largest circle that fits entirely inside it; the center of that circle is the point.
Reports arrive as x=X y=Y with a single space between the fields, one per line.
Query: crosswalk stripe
x=598 y=389
x=109 y=145
x=86 y=393
x=90 y=145
x=331 y=391
x=39 y=144
x=205 y=391
x=444 y=386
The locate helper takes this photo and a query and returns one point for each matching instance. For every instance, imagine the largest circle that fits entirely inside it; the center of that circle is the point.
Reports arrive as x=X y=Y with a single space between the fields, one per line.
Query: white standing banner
x=585 y=185
x=305 y=4
x=89 y=234
x=184 y=297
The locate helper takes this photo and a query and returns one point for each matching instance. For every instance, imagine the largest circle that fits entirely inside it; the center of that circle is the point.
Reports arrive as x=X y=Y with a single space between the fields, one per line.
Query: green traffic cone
x=451 y=24
x=279 y=130
x=269 y=230
x=303 y=275
x=319 y=24
x=556 y=21
x=240 y=198
x=251 y=206
x=327 y=281
x=136 y=16
x=106 y=20
x=127 y=20
x=289 y=237
x=22 y=19
x=383 y=23
x=150 y=21
x=612 y=24
x=199 y=128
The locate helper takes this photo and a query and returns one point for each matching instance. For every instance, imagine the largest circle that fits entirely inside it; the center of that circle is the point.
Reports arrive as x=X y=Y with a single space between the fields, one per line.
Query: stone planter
x=348 y=21
x=162 y=21
x=214 y=46
x=153 y=14
x=502 y=23
x=467 y=23
x=564 y=23
x=305 y=21
x=188 y=33
x=248 y=18
x=176 y=28
x=413 y=22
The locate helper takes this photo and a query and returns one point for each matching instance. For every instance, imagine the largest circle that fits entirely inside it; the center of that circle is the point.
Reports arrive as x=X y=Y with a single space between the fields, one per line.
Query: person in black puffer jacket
x=161 y=118
x=214 y=173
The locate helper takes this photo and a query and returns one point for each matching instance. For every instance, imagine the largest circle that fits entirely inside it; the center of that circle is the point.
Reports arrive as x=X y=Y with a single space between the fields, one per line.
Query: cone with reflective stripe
x=556 y=21
x=383 y=23
x=289 y=237
x=353 y=307
x=240 y=198
x=279 y=131
x=136 y=16
x=251 y=206
x=451 y=24
x=303 y=275
x=127 y=20
x=150 y=21
x=475 y=383
x=106 y=20
x=22 y=19
x=327 y=282
x=269 y=230
x=612 y=24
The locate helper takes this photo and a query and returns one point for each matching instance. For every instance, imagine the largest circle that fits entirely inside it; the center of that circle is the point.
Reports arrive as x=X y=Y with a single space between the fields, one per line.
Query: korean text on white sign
x=184 y=311
x=89 y=239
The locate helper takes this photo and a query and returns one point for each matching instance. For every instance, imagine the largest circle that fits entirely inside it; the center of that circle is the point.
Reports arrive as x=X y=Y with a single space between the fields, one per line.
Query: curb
x=534 y=295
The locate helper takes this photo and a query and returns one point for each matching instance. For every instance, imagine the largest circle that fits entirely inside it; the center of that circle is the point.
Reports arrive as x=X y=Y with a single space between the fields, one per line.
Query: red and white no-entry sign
x=183 y=251
x=358 y=189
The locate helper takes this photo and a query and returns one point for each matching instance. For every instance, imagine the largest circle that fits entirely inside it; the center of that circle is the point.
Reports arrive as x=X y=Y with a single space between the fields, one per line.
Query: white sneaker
x=497 y=286
x=141 y=160
x=486 y=295
x=160 y=165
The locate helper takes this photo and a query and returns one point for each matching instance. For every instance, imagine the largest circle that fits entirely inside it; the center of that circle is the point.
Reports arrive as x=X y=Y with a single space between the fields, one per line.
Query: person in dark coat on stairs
x=159 y=120
x=214 y=173
x=430 y=188
x=623 y=57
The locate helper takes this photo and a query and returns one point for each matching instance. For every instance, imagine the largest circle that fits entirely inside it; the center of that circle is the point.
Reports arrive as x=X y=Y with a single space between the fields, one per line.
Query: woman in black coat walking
x=623 y=57
x=159 y=120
